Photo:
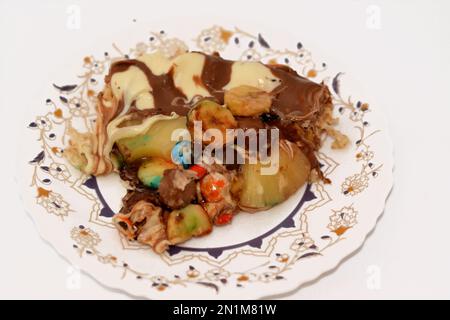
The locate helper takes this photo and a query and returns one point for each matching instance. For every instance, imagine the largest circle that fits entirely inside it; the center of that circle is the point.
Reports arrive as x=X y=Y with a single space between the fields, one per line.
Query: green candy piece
x=155 y=181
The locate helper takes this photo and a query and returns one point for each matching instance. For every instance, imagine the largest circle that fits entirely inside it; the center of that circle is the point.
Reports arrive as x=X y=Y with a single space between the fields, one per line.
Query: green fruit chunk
x=261 y=192
x=156 y=142
x=191 y=221
x=151 y=171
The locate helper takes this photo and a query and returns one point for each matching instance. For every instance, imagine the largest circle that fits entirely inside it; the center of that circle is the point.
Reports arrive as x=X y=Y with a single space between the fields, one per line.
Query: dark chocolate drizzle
x=164 y=90
x=295 y=100
x=295 y=96
x=216 y=74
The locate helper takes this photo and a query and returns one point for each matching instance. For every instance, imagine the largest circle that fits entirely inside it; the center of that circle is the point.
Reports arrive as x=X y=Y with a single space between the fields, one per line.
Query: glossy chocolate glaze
x=297 y=96
x=216 y=74
x=164 y=90
x=296 y=99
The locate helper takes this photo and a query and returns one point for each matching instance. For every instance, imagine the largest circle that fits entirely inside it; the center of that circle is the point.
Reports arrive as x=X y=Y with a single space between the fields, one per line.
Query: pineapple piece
x=260 y=192
x=156 y=142
x=191 y=221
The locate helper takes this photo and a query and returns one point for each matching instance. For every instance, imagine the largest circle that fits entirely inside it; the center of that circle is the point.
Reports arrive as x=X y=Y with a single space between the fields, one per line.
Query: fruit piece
x=191 y=221
x=213 y=116
x=156 y=142
x=214 y=186
x=151 y=171
x=216 y=209
x=260 y=192
x=247 y=101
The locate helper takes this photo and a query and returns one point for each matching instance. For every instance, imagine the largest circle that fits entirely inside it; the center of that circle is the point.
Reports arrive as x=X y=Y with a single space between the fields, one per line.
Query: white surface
x=403 y=67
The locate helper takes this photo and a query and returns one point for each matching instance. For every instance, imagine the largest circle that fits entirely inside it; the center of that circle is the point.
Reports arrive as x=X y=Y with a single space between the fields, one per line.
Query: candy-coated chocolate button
x=213 y=187
x=181 y=153
x=199 y=170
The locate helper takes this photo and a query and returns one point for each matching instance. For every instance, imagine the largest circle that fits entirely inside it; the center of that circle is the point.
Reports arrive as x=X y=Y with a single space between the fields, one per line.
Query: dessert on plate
x=153 y=108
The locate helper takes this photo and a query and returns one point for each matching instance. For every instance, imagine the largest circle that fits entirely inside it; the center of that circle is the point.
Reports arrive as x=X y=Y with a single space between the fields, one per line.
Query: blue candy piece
x=181 y=153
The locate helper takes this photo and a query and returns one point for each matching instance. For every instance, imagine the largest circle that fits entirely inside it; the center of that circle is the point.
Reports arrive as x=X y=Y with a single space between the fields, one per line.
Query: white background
x=402 y=63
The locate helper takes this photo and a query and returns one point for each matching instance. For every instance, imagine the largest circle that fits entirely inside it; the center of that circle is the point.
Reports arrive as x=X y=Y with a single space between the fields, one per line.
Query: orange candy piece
x=212 y=187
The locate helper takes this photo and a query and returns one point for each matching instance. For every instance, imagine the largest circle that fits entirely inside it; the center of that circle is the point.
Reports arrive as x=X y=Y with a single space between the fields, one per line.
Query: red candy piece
x=199 y=170
x=224 y=218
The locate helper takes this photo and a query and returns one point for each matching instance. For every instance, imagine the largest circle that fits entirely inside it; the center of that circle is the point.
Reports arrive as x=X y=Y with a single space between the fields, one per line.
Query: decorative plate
x=257 y=255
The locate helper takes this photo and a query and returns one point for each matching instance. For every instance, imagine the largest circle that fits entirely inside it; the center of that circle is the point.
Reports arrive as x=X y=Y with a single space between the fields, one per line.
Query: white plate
x=257 y=255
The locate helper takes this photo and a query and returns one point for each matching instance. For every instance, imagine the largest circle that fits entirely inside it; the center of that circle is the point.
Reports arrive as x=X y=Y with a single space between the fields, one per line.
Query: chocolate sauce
x=164 y=90
x=216 y=74
x=297 y=96
x=295 y=99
